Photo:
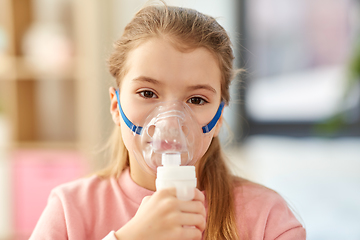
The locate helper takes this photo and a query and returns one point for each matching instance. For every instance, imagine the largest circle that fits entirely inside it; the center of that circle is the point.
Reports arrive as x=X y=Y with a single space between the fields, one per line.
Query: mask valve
x=171 y=174
x=171 y=159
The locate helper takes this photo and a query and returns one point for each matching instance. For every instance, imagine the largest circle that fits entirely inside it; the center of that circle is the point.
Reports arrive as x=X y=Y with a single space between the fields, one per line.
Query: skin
x=158 y=72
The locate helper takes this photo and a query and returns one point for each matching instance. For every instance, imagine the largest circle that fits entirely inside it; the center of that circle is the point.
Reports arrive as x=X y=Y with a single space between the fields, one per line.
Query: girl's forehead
x=160 y=59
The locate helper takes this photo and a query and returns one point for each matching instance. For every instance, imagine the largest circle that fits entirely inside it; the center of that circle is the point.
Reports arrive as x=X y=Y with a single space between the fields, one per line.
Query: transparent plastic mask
x=170 y=127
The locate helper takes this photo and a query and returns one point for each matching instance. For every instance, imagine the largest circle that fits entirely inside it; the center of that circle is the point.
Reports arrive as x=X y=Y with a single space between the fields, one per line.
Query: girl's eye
x=197 y=101
x=147 y=94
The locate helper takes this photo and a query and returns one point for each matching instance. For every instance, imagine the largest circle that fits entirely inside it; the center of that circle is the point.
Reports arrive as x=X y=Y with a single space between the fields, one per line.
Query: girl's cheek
x=126 y=135
x=205 y=114
x=135 y=110
x=206 y=143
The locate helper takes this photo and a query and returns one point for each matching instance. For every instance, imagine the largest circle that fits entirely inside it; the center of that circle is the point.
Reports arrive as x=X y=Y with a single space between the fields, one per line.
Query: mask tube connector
x=171 y=174
x=171 y=159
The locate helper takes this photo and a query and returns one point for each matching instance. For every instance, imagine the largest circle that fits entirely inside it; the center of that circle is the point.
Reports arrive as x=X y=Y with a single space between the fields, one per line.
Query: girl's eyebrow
x=202 y=86
x=156 y=82
x=146 y=79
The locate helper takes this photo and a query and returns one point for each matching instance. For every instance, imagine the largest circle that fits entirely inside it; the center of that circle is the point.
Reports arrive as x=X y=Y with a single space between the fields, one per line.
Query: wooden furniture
x=53 y=108
x=53 y=95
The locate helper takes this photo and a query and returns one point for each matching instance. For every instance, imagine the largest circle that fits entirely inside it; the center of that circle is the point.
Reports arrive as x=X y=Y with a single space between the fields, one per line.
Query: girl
x=167 y=54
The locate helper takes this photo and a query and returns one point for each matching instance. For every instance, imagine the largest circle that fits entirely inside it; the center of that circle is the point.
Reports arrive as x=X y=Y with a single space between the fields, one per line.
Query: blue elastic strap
x=133 y=127
x=207 y=128
x=137 y=129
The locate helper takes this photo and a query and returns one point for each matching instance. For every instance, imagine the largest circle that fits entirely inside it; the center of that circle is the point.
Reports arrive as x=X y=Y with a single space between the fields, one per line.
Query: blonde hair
x=187 y=29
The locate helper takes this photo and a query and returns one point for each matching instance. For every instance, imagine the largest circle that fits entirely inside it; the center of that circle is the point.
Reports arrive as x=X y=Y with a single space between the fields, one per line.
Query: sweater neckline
x=131 y=189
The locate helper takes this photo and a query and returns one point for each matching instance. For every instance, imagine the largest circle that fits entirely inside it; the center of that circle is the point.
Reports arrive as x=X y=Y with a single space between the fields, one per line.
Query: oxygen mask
x=170 y=128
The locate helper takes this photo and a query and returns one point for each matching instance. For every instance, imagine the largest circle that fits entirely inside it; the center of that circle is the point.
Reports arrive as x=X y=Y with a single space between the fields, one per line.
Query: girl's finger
x=199 y=196
x=193 y=207
x=145 y=199
x=166 y=192
x=190 y=219
x=192 y=233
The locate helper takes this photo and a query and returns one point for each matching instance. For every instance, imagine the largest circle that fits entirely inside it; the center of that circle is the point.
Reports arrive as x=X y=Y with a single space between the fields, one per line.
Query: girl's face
x=157 y=72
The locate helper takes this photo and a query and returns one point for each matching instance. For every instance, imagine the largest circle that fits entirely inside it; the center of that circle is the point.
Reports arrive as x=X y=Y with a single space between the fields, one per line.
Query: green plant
x=339 y=121
x=354 y=67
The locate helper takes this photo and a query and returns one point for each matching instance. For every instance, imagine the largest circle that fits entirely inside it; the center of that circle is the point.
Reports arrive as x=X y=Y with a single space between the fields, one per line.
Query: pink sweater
x=91 y=208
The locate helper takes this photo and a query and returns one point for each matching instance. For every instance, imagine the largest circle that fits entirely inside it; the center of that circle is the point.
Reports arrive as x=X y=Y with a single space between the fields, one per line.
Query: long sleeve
x=282 y=224
x=264 y=214
x=51 y=224
x=89 y=208
x=296 y=233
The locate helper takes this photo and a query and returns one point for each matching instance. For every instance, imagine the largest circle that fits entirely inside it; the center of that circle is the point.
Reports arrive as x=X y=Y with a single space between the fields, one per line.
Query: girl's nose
x=170 y=127
x=169 y=135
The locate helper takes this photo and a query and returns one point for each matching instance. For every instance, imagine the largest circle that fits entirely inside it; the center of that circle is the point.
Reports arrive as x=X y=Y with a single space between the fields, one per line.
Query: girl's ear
x=114 y=110
x=218 y=124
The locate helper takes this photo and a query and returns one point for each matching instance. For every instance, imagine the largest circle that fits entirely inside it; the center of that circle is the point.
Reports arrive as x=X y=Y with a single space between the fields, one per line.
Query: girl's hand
x=162 y=216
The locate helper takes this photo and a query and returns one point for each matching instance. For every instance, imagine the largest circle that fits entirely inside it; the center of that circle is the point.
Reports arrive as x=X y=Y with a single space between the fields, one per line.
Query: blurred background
x=294 y=117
